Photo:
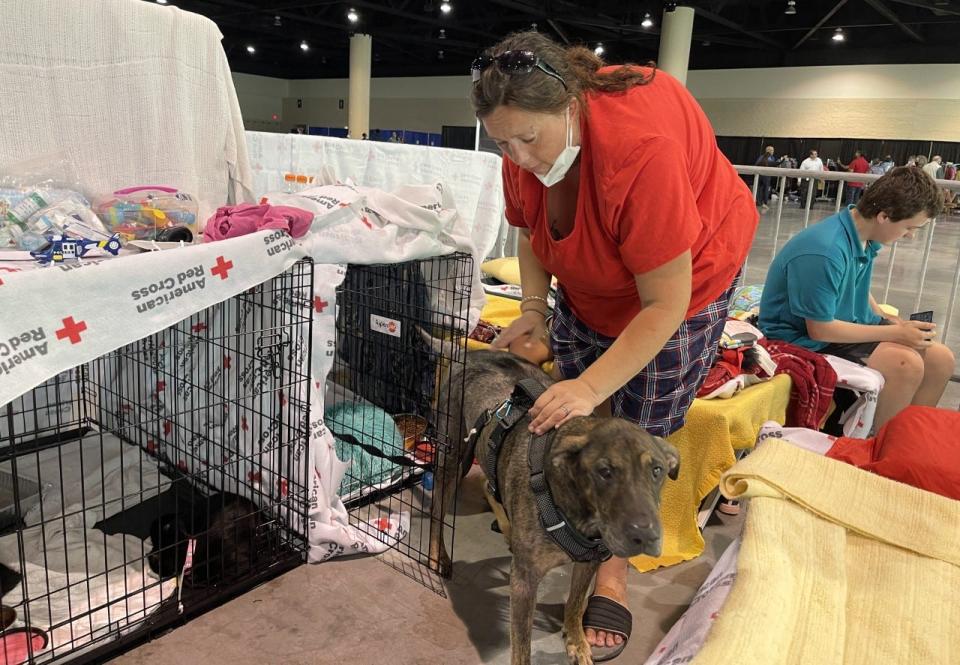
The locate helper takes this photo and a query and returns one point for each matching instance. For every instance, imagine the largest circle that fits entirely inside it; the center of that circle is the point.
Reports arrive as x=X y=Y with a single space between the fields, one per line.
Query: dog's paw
x=444 y=564
x=578 y=653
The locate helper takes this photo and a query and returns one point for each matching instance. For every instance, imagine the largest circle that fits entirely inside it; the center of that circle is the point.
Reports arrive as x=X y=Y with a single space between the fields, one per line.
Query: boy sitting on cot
x=817 y=293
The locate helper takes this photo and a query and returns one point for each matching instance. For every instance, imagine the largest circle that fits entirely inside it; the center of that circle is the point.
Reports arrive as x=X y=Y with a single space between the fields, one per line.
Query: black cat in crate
x=226 y=531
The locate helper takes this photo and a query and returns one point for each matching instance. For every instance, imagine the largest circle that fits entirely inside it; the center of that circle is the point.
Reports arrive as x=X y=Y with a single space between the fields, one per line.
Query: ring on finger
x=566 y=410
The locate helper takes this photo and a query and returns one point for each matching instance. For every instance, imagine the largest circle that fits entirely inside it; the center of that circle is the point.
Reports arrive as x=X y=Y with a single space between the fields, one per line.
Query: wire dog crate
x=401 y=329
x=158 y=480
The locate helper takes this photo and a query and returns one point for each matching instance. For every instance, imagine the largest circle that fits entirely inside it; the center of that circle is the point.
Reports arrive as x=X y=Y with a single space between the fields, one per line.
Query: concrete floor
x=362 y=610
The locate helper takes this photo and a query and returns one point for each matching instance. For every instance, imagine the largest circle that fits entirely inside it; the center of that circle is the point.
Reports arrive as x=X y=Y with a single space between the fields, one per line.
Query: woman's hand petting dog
x=530 y=324
x=561 y=402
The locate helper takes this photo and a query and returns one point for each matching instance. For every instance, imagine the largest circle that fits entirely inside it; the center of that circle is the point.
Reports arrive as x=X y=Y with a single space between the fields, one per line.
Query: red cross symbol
x=255 y=477
x=198 y=327
x=226 y=361
x=167 y=426
x=283 y=487
x=182 y=465
x=366 y=222
x=161 y=385
x=71 y=329
x=320 y=304
x=283 y=399
x=222 y=268
x=243 y=423
x=151 y=446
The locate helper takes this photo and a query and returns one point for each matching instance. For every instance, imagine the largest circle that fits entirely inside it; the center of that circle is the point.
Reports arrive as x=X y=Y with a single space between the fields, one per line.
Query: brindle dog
x=605 y=474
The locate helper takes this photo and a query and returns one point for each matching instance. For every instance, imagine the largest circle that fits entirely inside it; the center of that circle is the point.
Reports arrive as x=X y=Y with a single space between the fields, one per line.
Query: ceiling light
x=443 y=33
x=440 y=54
x=161 y=2
x=304 y=46
x=277 y=22
x=599 y=49
x=791 y=7
x=647 y=22
x=838 y=35
x=251 y=49
x=446 y=7
x=352 y=15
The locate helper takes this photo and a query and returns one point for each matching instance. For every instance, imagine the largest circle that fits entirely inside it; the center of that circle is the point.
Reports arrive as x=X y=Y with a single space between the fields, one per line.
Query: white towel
x=137 y=93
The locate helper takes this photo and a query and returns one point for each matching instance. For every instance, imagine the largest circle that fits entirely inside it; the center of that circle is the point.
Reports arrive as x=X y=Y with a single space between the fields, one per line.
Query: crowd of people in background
x=797 y=190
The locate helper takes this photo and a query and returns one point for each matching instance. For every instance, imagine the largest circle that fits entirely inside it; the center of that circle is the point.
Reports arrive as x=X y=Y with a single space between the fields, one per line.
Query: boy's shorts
x=658 y=397
x=856 y=352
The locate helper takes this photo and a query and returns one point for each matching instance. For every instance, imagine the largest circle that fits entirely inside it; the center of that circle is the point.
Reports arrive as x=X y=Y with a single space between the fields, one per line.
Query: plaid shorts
x=658 y=397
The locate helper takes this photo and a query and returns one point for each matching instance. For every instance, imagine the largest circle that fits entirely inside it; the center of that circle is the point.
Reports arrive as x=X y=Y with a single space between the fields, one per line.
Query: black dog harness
x=577 y=546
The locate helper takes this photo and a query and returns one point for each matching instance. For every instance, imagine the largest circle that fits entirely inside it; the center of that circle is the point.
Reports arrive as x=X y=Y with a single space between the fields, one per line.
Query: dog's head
x=608 y=473
x=169 y=541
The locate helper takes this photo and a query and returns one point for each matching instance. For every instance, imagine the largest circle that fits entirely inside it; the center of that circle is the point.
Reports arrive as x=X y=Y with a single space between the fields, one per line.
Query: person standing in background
x=858 y=165
x=811 y=163
x=763 y=187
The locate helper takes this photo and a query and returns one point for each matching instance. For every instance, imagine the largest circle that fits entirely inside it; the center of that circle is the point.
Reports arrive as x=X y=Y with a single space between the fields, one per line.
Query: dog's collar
x=577 y=546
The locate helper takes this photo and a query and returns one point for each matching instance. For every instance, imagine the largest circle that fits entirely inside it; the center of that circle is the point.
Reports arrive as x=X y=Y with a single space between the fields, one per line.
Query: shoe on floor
x=608 y=615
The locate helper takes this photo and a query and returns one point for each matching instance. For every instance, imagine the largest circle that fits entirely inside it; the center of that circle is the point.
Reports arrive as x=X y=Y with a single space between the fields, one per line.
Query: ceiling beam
x=887 y=13
x=820 y=23
x=727 y=23
x=557 y=29
x=932 y=6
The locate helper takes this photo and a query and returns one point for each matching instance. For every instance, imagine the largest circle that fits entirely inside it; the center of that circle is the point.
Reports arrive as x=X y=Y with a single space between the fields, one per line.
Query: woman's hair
x=902 y=193
x=538 y=92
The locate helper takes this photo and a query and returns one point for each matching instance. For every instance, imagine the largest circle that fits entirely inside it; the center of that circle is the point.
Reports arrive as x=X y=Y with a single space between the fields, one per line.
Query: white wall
x=261 y=97
x=920 y=102
x=419 y=104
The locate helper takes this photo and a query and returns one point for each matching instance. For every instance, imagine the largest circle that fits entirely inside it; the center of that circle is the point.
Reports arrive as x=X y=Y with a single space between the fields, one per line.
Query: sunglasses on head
x=513 y=62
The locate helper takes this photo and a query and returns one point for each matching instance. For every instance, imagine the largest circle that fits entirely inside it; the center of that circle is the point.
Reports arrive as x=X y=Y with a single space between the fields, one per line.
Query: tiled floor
x=362 y=611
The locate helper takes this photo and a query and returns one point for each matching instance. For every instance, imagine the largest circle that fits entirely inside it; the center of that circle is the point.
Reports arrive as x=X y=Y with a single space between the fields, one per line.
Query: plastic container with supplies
x=150 y=213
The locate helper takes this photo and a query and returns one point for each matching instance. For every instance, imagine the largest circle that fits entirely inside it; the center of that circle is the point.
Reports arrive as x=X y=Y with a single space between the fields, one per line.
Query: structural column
x=358 y=103
x=675 y=36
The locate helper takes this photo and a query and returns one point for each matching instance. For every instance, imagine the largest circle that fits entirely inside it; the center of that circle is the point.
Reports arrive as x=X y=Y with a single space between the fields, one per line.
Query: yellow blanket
x=714 y=429
x=837 y=565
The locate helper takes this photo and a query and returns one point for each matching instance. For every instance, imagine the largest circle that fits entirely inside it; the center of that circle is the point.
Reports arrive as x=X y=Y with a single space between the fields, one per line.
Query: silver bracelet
x=540 y=298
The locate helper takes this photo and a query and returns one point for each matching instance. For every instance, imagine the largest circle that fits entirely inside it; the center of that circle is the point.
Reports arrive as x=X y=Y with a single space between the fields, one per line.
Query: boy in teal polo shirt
x=817 y=293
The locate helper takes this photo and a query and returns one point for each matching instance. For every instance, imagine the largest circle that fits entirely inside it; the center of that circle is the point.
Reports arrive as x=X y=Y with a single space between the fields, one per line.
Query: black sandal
x=607 y=615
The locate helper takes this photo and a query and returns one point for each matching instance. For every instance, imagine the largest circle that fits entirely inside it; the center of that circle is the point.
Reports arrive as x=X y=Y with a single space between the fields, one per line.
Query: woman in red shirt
x=615 y=180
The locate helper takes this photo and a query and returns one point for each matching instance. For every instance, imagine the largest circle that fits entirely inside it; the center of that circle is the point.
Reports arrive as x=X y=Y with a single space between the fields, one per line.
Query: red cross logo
x=284 y=490
x=161 y=385
x=226 y=361
x=243 y=423
x=320 y=304
x=198 y=327
x=167 y=426
x=71 y=329
x=255 y=477
x=182 y=465
x=222 y=268
x=366 y=222
x=151 y=446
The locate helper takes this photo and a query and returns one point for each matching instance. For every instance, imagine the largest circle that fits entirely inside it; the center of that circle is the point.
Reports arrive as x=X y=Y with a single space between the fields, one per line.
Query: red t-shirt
x=858 y=165
x=653 y=184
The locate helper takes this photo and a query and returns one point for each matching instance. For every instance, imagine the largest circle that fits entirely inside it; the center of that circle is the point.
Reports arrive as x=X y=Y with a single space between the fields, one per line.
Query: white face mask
x=564 y=160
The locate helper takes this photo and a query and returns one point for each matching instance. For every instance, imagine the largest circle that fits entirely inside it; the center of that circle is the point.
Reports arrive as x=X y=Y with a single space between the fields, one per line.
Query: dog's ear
x=670 y=456
x=566 y=450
